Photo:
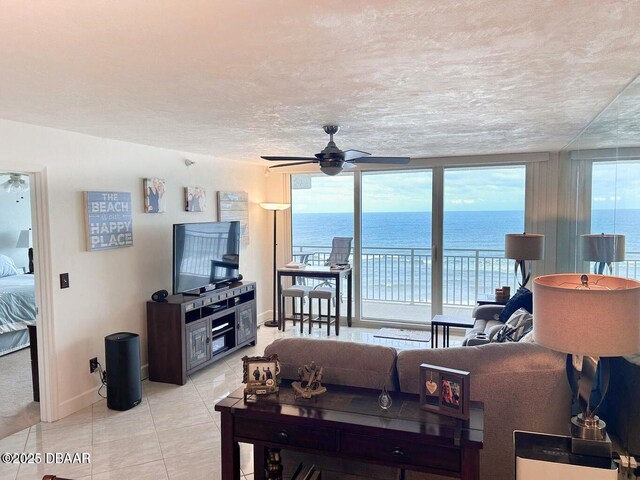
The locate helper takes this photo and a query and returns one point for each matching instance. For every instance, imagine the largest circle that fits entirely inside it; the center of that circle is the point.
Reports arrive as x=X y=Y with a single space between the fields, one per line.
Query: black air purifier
x=124 y=383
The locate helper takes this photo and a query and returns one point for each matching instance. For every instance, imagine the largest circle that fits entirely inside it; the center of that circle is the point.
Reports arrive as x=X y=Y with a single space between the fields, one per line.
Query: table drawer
x=403 y=452
x=317 y=438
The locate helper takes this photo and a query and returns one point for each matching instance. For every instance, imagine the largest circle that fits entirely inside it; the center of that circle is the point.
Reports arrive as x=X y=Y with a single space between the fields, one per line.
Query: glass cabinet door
x=198 y=344
x=246 y=323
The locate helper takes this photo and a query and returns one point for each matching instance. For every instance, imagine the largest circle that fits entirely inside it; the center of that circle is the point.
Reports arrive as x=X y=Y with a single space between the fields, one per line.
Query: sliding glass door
x=396 y=245
x=404 y=216
x=481 y=205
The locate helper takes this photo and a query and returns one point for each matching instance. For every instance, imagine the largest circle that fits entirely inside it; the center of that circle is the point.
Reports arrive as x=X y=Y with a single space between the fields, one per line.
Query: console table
x=347 y=422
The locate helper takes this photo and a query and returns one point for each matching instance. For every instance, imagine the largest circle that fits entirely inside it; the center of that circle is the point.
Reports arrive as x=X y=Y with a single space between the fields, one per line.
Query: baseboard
x=264 y=317
x=88 y=398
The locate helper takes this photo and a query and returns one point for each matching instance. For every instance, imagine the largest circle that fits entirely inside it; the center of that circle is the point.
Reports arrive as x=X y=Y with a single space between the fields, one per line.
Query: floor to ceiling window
x=396 y=245
x=393 y=248
x=615 y=208
x=481 y=205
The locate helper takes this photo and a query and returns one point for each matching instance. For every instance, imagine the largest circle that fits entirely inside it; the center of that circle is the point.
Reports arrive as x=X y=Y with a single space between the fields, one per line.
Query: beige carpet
x=17 y=408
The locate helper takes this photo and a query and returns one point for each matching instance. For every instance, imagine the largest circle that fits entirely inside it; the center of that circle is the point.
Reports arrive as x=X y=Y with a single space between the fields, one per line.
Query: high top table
x=322 y=272
x=347 y=422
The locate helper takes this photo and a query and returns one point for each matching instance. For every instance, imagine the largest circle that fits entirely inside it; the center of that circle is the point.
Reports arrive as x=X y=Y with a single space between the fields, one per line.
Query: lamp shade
x=274 y=206
x=587 y=314
x=25 y=240
x=524 y=246
x=602 y=248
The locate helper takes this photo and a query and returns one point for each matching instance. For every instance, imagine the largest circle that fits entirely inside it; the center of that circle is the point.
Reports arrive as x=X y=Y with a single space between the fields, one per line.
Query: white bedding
x=17 y=303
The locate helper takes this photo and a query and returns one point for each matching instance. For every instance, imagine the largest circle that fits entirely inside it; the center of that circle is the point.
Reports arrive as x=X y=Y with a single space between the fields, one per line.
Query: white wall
x=109 y=288
x=14 y=216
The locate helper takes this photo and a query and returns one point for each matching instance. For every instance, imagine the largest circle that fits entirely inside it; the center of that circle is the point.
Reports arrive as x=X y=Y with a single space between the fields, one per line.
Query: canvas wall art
x=235 y=206
x=109 y=220
x=195 y=199
x=154 y=198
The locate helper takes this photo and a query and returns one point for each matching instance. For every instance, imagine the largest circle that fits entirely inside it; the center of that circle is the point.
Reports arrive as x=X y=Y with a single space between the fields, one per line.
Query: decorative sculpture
x=309 y=381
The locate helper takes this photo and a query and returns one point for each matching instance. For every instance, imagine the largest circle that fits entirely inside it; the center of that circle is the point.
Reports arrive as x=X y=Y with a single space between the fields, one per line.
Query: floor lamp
x=274 y=207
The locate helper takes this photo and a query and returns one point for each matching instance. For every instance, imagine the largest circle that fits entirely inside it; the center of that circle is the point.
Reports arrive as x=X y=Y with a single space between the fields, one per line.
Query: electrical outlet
x=93 y=364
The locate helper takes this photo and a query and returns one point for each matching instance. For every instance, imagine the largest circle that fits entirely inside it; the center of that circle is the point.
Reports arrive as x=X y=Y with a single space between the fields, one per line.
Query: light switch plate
x=64 y=280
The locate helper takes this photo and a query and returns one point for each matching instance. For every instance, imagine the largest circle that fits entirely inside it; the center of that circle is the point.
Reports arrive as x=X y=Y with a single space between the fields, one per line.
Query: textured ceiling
x=237 y=79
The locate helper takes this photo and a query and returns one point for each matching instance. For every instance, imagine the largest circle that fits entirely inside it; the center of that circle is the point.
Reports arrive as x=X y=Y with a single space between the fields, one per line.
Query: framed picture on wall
x=444 y=391
x=195 y=199
x=235 y=206
x=109 y=220
x=154 y=197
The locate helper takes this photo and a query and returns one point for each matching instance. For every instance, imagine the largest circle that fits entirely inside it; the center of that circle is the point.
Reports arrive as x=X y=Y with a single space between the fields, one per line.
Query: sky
x=615 y=185
x=410 y=191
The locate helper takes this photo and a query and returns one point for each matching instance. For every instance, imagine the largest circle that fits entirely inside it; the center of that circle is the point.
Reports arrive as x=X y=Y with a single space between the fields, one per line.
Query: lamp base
x=589 y=436
x=270 y=323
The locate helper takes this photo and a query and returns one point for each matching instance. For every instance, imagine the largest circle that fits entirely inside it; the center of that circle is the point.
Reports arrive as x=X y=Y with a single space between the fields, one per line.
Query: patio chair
x=340 y=253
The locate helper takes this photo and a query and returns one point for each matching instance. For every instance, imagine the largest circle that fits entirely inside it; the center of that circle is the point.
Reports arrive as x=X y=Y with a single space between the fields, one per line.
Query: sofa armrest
x=487 y=312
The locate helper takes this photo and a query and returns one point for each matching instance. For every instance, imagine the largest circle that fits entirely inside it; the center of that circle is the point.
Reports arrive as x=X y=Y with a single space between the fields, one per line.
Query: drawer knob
x=283 y=435
x=397 y=452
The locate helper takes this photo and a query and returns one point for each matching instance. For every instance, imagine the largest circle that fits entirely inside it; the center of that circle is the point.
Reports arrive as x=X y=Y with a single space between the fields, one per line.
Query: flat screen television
x=205 y=255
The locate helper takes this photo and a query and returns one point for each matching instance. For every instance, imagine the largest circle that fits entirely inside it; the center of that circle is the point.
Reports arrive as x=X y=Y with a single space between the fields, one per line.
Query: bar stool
x=322 y=293
x=293 y=292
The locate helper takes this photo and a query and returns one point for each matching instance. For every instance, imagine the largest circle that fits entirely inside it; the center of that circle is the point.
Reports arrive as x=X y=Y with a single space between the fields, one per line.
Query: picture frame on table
x=444 y=391
x=261 y=375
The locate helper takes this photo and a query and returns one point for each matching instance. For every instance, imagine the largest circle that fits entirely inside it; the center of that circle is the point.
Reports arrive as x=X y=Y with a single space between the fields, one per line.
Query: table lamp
x=522 y=247
x=602 y=249
x=591 y=318
x=25 y=240
x=274 y=207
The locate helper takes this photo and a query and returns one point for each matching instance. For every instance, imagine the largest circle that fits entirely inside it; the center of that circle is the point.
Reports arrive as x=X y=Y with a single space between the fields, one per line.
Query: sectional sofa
x=523 y=387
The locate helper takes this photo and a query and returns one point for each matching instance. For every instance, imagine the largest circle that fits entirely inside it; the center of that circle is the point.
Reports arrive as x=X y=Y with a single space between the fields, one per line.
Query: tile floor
x=173 y=434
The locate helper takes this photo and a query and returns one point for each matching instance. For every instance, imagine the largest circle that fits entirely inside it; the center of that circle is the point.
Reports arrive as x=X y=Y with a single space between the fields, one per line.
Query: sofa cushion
x=523 y=298
x=344 y=363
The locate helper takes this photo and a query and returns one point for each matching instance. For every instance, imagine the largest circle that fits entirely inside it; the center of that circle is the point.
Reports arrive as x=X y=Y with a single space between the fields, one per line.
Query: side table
x=447 y=321
x=490 y=299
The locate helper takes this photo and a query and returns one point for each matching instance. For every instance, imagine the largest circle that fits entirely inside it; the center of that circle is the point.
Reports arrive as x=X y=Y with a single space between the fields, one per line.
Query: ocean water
x=462 y=230
x=396 y=263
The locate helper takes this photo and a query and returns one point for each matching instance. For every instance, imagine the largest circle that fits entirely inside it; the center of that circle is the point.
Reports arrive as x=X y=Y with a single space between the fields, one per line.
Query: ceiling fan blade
x=349 y=165
x=286 y=159
x=353 y=154
x=291 y=164
x=394 y=160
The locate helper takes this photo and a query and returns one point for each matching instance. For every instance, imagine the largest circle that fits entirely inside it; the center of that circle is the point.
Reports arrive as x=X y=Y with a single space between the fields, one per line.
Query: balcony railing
x=404 y=274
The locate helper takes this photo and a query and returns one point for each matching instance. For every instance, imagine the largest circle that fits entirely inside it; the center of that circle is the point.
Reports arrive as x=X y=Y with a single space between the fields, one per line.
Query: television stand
x=187 y=333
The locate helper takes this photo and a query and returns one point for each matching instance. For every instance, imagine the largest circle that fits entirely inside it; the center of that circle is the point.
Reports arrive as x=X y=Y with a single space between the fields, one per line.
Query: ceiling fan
x=332 y=160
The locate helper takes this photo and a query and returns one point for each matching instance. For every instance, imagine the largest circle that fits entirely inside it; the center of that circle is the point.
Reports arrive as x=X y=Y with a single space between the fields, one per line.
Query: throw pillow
x=7 y=267
x=518 y=325
x=523 y=298
x=528 y=338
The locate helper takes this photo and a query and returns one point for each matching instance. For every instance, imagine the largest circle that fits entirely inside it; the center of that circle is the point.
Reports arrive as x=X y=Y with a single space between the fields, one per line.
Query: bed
x=17 y=307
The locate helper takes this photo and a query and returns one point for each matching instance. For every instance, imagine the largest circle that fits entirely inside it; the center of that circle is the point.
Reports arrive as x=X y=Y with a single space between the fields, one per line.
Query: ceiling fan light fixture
x=15 y=184
x=331 y=170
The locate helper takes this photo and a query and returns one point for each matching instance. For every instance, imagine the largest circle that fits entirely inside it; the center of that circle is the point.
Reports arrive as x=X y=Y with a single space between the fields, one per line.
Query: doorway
x=18 y=408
